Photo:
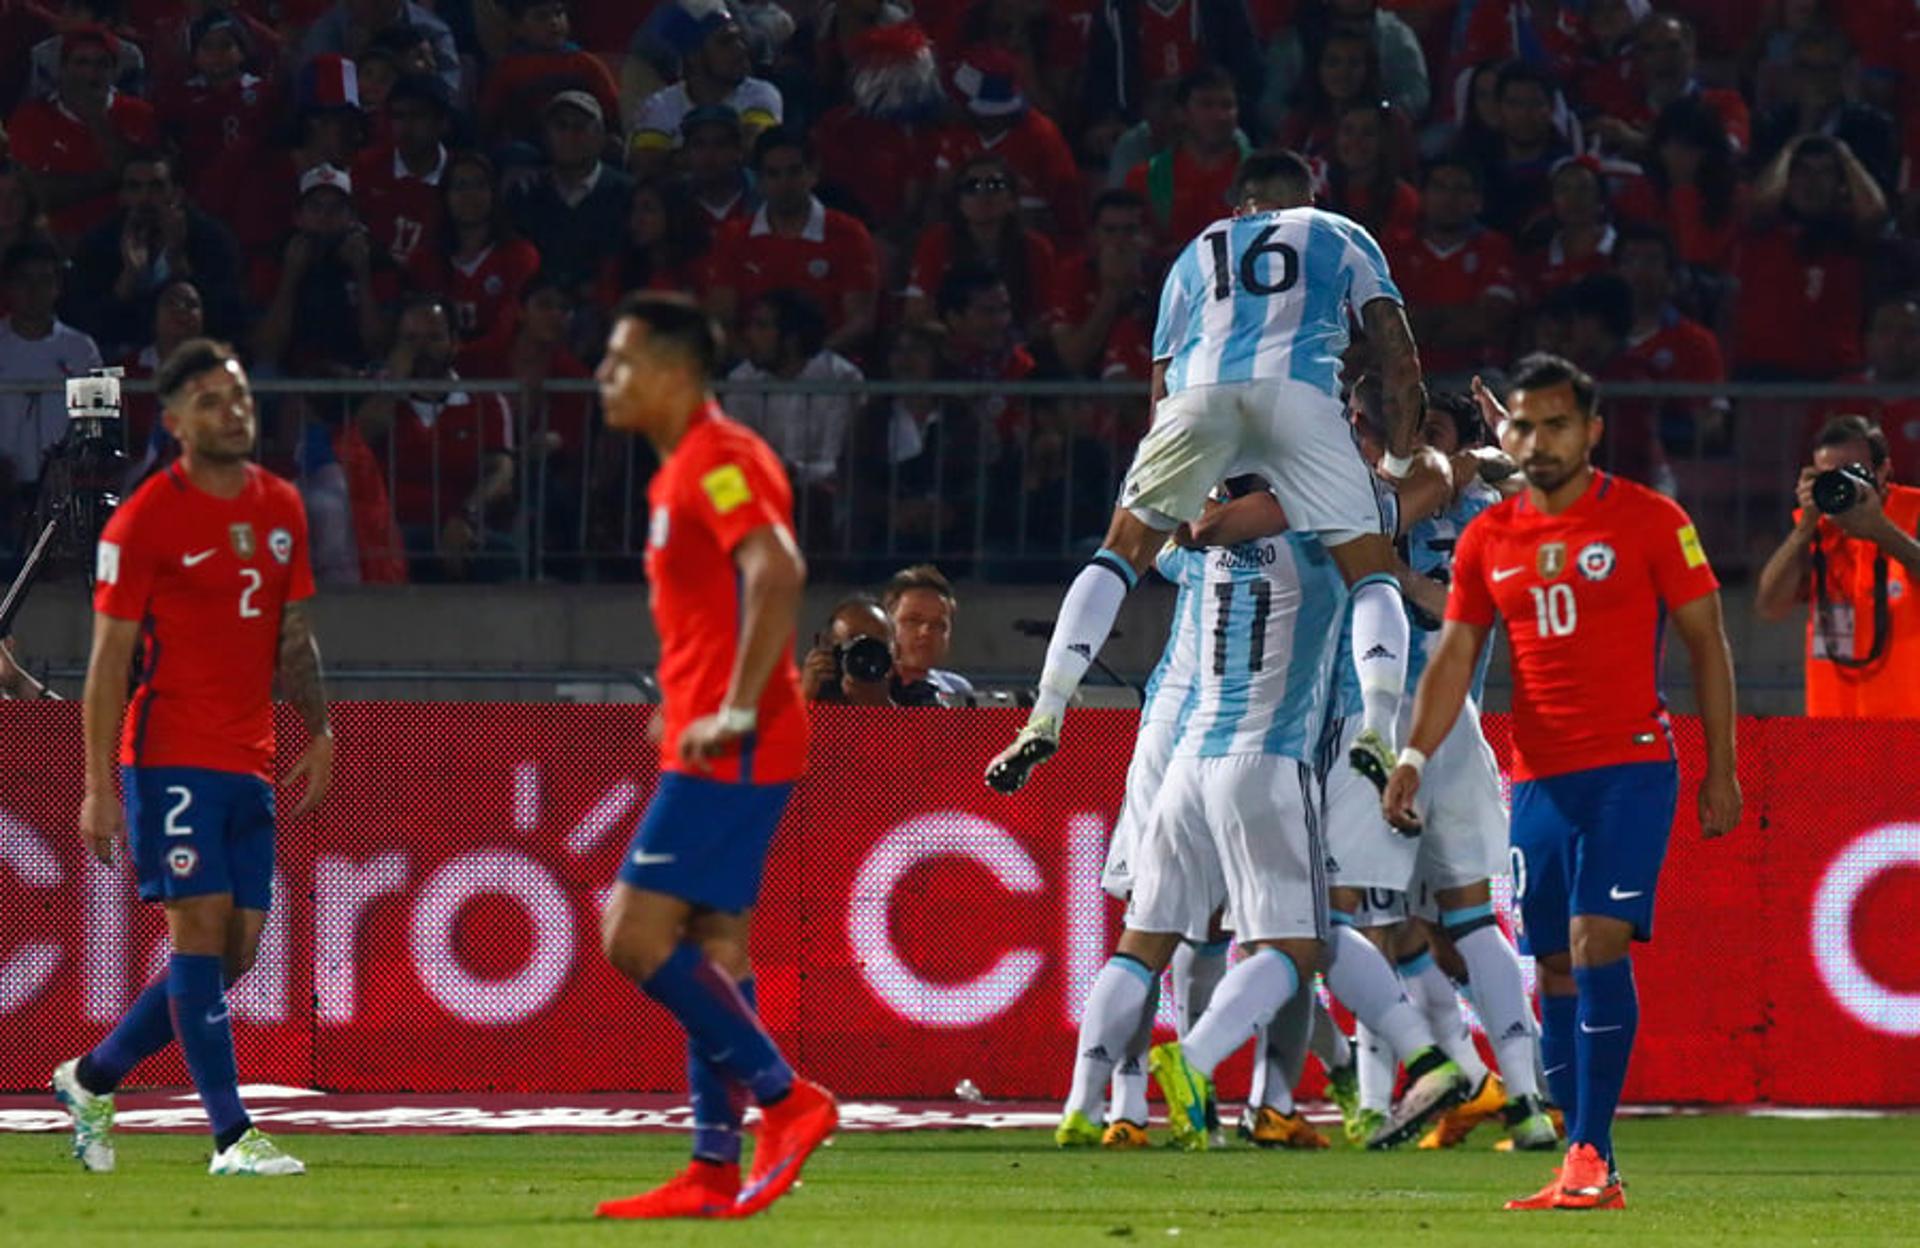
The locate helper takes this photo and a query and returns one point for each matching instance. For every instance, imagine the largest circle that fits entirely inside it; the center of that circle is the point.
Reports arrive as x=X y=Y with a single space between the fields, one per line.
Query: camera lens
x=1838 y=489
x=867 y=658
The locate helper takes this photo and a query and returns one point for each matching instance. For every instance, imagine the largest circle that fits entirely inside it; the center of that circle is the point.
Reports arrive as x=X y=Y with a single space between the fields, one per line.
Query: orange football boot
x=1588 y=1181
x=789 y=1132
x=702 y=1190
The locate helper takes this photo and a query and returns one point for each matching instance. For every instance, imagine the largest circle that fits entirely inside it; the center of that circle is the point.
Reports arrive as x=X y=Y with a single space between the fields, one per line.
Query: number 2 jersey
x=206 y=579
x=1269 y=295
x=1585 y=596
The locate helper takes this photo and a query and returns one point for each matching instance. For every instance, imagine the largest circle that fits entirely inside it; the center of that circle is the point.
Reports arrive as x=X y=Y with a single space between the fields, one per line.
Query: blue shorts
x=196 y=832
x=705 y=841
x=1590 y=842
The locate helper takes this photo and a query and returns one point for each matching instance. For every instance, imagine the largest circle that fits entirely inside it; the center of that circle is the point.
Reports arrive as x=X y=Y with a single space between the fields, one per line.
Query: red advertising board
x=436 y=924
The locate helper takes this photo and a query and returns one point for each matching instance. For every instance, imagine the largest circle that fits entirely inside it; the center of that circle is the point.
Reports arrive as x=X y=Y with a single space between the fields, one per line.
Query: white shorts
x=1237 y=832
x=1463 y=819
x=1293 y=434
x=1151 y=750
x=1367 y=852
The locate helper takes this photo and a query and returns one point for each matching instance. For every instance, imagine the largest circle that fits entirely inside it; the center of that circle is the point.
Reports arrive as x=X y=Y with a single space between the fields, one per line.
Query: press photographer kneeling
x=1854 y=557
x=852 y=662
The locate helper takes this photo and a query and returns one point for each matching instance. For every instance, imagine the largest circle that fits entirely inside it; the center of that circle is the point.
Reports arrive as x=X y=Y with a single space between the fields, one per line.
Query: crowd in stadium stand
x=1684 y=191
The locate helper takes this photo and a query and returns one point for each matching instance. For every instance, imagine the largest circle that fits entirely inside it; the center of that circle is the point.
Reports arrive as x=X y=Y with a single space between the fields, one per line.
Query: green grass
x=1693 y=1181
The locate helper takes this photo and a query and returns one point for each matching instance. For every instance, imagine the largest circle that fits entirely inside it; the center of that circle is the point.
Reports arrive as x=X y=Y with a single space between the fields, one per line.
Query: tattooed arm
x=303 y=685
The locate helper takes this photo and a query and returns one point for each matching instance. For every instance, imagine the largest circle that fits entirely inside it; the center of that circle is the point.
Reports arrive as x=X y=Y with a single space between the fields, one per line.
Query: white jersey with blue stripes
x=1268 y=296
x=1430 y=546
x=1268 y=621
x=1170 y=689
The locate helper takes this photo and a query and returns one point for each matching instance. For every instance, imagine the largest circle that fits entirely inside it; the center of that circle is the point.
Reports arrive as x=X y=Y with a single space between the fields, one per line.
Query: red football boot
x=789 y=1132
x=702 y=1190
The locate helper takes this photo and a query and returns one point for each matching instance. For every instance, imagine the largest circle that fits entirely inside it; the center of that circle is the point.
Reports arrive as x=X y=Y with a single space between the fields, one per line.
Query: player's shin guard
x=197 y=1001
x=145 y=1029
x=1609 y=1016
x=720 y=1022
x=1433 y=995
x=1197 y=972
x=1107 y=1024
x=1500 y=995
x=1559 y=1031
x=1086 y=617
x=1359 y=975
x=1380 y=641
x=1250 y=994
x=717 y=1100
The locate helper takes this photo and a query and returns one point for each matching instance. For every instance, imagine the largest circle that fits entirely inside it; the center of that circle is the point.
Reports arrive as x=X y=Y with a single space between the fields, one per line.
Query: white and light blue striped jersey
x=1430 y=545
x=1267 y=296
x=1170 y=690
x=1268 y=619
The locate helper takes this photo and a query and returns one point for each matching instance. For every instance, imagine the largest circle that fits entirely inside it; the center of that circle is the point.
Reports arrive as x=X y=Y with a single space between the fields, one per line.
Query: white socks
x=1252 y=992
x=1380 y=640
x=1197 y=972
x=1359 y=975
x=1130 y=1076
x=1280 y=1050
x=1432 y=992
x=1329 y=1043
x=1109 y=1021
x=1377 y=1067
x=1086 y=617
x=1500 y=995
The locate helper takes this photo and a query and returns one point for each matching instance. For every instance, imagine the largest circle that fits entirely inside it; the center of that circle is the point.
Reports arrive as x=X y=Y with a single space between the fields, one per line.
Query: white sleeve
x=1366 y=265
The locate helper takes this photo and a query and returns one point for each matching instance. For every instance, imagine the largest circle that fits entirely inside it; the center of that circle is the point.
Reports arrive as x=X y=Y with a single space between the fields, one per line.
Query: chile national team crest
x=1552 y=560
x=1596 y=561
x=280 y=545
x=182 y=860
x=242 y=538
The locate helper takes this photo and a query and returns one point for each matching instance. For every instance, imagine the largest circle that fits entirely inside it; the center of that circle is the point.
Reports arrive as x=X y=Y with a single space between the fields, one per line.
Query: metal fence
x=998 y=482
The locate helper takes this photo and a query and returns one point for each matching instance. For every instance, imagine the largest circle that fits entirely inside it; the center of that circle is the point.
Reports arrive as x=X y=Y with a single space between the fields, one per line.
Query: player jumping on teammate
x=1253 y=320
x=726 y=583
x=1584 y=568
x=204 y=572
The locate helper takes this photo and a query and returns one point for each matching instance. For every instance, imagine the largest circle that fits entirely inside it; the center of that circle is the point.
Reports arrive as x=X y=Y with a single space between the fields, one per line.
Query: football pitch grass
x=1691 y=1180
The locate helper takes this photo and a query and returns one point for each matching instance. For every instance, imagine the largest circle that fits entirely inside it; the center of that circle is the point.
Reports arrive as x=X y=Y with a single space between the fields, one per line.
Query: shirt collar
x=815 y=230
x=432 y=177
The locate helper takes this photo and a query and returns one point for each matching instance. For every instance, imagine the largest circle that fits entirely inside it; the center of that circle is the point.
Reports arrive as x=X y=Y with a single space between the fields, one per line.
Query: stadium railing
x=995 y=481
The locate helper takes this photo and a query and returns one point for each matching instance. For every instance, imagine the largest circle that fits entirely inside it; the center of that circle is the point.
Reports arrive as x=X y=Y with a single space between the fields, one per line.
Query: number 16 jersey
x=206 y=578
x=1585 y=595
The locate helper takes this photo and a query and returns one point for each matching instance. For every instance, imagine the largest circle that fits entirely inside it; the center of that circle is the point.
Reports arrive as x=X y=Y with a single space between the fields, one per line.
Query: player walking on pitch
x=1253 y=320
x=1583 y=567
x=726 y=582
x=204 y=571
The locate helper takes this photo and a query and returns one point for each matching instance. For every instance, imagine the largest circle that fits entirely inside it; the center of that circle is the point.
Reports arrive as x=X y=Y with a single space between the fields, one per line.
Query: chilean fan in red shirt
x=75 y=142
x=1586 y=569
x=204 y=572
x=1457 y=275
x=726 y=583
x=397 y=185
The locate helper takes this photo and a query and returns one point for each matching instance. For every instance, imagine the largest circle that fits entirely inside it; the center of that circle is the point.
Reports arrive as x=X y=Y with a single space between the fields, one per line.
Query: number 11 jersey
x=1585 y=595
x=206 y=578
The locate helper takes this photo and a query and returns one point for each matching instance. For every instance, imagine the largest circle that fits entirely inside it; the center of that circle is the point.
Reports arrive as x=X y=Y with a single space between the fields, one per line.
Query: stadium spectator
x=1458 y=276
x=1189 y=187
x=926 y=449
x=1821 y=104
x=254 y=192
x=1802 y=263
x=1053 y=489
x=220 y=108
x=828 y=45
x=1576 y=240
x=1529 y=146
x=795 y=242
x=824 y=674
x=1363 y=178
x=982 y=226
x=1000 y=120
x=20 y=215
x=348 y=27
x=376 y=71
x=1140 y=44
x=1600 y=321
x=714 y=156
x=921 y=606
x=574 y=210
x=1608 y=83
x=1695 y=184
x=1391 y=46
x=668 y=237
x=449 y=452
x=541 y=61
x=171 y=61
x=179 y=313
x=977 y=311
x=1545 y=35
x=323 y=292
x=129 y=72
x=1346 y=71
x=784 y=339
x=1666 y=343
x=155 y=237
x=1475 y=132
x=873 y=148
x=1100 y=319
x=1665 y=54
x=715 y=69
x=75 y=142
x=1046 y=43
x=479 y=263
x=1858 y=569
x=1893 y=359
x=396 y=185
x=35 y=345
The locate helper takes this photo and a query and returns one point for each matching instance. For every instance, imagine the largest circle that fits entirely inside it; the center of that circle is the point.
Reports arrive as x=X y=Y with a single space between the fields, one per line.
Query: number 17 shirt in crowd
x=1585 y=595
x=206 y=579
x=719 y=484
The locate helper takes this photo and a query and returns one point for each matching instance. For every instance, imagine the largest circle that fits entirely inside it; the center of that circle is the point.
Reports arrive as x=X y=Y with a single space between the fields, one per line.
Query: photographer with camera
x=1854 y=556
x=920 y=605
x=851 y=664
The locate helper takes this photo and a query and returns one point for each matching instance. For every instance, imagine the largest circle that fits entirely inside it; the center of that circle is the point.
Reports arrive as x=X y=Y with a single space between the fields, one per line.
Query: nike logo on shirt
x=642 y=858
x=188 y=561
x=1618 y=895
x=1501 y=574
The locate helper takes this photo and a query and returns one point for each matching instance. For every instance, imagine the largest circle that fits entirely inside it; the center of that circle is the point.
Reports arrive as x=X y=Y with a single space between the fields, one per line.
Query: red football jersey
x=1201 y=195
x=209 y=123
x=438 y=449
x=206 y=578
x=1797 y=313
x=832 y=257
x=47 y=138
x=1041 y=159
x=401 y=211
x=1460 y=276
x=717 y=486
x=482 y=291
x=1585 y=595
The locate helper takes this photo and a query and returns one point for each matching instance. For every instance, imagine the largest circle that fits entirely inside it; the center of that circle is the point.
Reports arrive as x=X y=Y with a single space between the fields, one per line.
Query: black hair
x=1851 y=427
x=774 y=138
x=1009 y=254
x=1469 y=425
x=962 y=284
x=679 y=322
x=1276 y=166
x=1640 y=232
x=1543 y=370
x=1117 y=197
x=1693 y=121
x=517 y=9
x=189 y=360
x=1607 y=298
x=544 y=280
x=422 y=89
x=29 y=251
x=1522 y=72
x=1453 y=160
x=1206 y=78
x=798 y=316
x=689 y=231
x=919 y=576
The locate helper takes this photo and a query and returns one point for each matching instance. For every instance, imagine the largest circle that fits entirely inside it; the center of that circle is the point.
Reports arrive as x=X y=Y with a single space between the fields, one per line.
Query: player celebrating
x=204 y=571
x=726 y=582
x=1253 y=320
x=1583 y=567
